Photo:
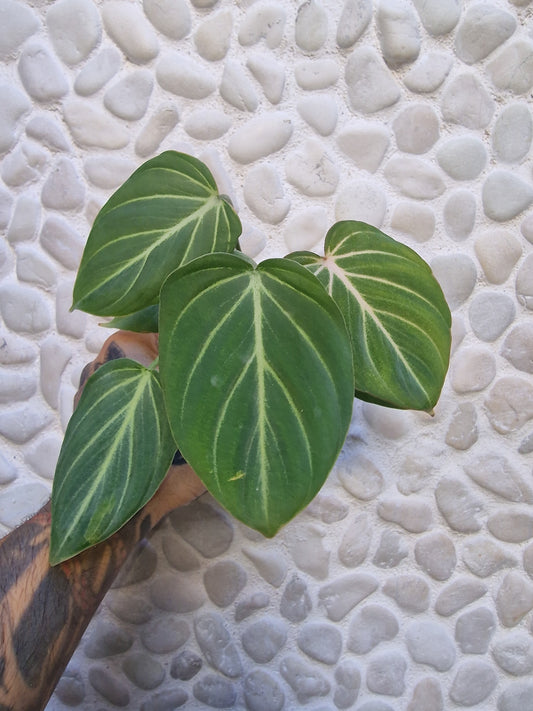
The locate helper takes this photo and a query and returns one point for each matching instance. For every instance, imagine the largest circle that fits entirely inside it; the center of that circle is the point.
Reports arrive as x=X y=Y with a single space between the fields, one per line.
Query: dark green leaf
x=116 y=452
x=166 y=214
x=395 y=310
x=144 y=321
x=256 y=367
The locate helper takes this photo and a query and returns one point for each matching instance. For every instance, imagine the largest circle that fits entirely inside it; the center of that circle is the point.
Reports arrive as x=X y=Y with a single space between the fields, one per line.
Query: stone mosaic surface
x=408 y=583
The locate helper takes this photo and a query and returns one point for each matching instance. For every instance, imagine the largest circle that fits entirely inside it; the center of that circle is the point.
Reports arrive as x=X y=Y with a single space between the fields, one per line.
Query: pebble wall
x=408 y=584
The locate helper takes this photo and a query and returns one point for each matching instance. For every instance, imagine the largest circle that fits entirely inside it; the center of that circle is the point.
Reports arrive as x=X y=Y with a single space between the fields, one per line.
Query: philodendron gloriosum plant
x=258 y=364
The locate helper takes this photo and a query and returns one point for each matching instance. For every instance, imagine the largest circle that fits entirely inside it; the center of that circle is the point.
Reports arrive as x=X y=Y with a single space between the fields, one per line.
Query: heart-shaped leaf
x=117 y=450
x=143 y=321
x=167 y=213
x=256 y=368
x=395 y=310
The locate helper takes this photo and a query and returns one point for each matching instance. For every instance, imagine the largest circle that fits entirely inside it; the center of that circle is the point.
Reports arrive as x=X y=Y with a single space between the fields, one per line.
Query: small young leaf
x=395 y=310
x=116 y=452
x=256 y=368
x=144 y=321
x=167 y=213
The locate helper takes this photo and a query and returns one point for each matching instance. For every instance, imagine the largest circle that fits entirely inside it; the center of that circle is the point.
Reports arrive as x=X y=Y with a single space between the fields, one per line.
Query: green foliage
x=258 y=363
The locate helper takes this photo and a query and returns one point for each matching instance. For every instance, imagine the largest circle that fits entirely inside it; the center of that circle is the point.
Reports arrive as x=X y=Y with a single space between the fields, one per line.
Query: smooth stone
x=6 y=260
x=16 y=350
x=179 y=554
x=526 y=446
x=410 y=592
x=25 y=221
x=143 y=671
x=312 y=170
x=140 y=566
x=129 y=608
x=183 y=76
x=342 y=594
x=458 y=505
x=495 y=473
x=207 y=124
x=416 y=128
x=511 y=525
x=390 y=551
x=498 y=251
x=263 y=21
x=108 y=172
x=526 y=228
x=262 y=692
x=170 y=17
x=109 y=686
x=62 y=242
x=15 y=387
x=217 y=647
x=371 y=85
x=513 y=653
x=314 y=74
x=215 y=692
x=237 y=88
x=260 y=137
x=92 y=127
x=512 y=133
x=412 y=514
x=355 y=543
x=54 y=356
x=427 y=696
x=128 y=27
x=204 y=527
x=8 y=471
x=483 y=28
x=414 y=177
x=24 y=309
x=70 y=323
x=17 y=23
x=97 y=71
x=386 y=673
x=414 y=475
x=48 y=132
x=263 y=639
x=328 y=509
x=74 y=28
x=509 y=404
x=438 y=16
x=463 y=431
x=348 y=678
x=245 y=608
x=223 y=581
x=305 y=543
x=106 y=640
x=474 y=630
x=458 y=594
x=128 y=98
x=213 y=36
x=505 y=195
x=263 y=193
x=484 y=557
x=311 y=26
x=361 y=200
x=6 y=204
x=41 y=74
x=435 y=554
x=295 y=604
x=320 y=112
x=398 y=32
x=490 y=313
x=524 y=283
x=306 y=228
x=24 y=165
x=305 y=680
x=70 y=689
x=167 y=700
x=473 y=682
x=15 y=104
x=459 y=215
x=473 y=370
x=354 y=19
x=413 y=220
x=185 y=665
x=173 y=594
x=375 y=705
x=360 y=477
x=386 y=422
x=462 y=157
x=512 y=68
x=514 y=599
x=165 y=635
x=457 y=275
x=20 y=501
x=428 y=72
x=157 y=128
x=63 y=188
x=465 y=101
x=270 y=565
x=430 y=643
x=269 y=73
x=365 y=143
x=517 y=696
x=320 y=641
x=372 y=625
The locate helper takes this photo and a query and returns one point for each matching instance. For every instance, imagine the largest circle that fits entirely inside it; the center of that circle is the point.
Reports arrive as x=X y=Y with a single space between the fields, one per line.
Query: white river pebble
x=247 y=607
x=435 y=554
x=365 y=143
x=348 y=678
x=463 y=431
x=62 y=242
x=459 y=214
x=328 y=509
x=474 y=629
x=223 y=581
x=427 y=696
x=271 y=566
x=389 y=423
x=305 y=543
x=512 y=525
x=512 y=133
x=184 y=76
x=269 y=72
x=398 y=32
x=498 y=251
x=8 y=471
x=361 y=200
x=33 y=267
x=320 y=112
x=24 y=165
x=128 y=98
x=428 y=72
x=416 y=128
x=207 y=124
x=456 y=273
x=524 y=283
x=474 y=368
x=263 y=639
x=16 y=350
x=414 y=177
x=260 y=137
x=20 y=425
x=438 y=16
x=355 y=542
x=311 y=26
x=70 y=323
x=216 y=644
x=261 y=690
x=342 y=594
x=295 y=603
x=411 y=513
x=13 y=107
x=386 y=673
x=316 y=73
x=97 y=71
x=514 y=598
x=264 y=195
x=157 y=128
x=18 y=22
x=130 y=30
x=6 y=203
x=490 y=313
x=414 y=220
x=24 y=309
x=512 y=68
x=16 y=386
x=306 y=228
x=106 y=171
x=465 y=101
x=237 y=88
x=462 y=157
x=458 y=505
x=513 y=652
x=371 y=85
x=320 y=641
x=509 y=404
x=473 y=682
x=75 y=29
x=483 y=28
x=213 y=36
x=360 y=477
x=26 y=219
x=505 y=195
x=305 y=680
x=410 y=592
x=430 y=643
x=171 y=17
x=369 y=627
x=47 y=131
x=312 y=169
x=264 y=20
x=354 y=19
x=17 y=503
x=391 y=550
x=55 y=355
x=41 y=74
x=63 y=189
x=42 y=455
x=518 y=346
x=458 y=594
x=91 y=127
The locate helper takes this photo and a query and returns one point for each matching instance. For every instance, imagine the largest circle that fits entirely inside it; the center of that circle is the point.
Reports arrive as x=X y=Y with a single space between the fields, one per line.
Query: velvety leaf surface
x=143 y=321
x=167 y=213
x=257 y=371
x=398 y=319
x=117 y=450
